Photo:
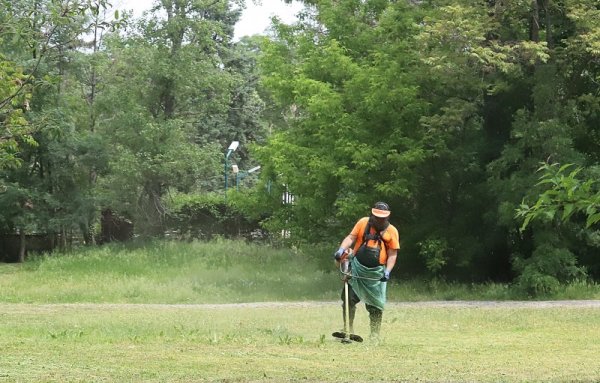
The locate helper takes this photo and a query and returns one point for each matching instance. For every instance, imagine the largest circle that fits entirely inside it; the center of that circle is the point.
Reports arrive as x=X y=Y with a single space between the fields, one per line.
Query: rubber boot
x=375 y=317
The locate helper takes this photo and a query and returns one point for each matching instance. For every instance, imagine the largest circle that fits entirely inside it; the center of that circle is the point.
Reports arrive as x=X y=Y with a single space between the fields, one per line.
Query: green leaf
x=592 y=220
x=568 y=211
x=550 y=213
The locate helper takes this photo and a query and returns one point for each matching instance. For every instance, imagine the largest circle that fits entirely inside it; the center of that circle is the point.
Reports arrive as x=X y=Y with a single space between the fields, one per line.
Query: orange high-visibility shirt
x=390 y=238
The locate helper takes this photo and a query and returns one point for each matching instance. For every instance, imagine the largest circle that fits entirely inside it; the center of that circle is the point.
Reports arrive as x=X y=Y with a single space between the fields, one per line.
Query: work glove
x=386 y=276
x=339 y=253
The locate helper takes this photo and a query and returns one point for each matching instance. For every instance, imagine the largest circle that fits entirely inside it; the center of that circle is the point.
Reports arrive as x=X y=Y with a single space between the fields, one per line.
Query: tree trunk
x=88 y=235
x=548 y=24
x=22 y=245
x=175 y=10
x=152 y=209
x=534 y=27
x=62 y=244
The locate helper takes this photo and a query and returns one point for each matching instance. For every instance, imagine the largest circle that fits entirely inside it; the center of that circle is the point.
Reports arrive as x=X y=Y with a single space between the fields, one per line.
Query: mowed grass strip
x=288 y=343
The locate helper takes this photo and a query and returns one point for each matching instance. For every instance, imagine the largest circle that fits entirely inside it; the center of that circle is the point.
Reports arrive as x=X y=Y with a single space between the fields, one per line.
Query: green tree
x=51 y=184
x=168 y=89
x=343 y=97
x=549 y=128
x=445 y=109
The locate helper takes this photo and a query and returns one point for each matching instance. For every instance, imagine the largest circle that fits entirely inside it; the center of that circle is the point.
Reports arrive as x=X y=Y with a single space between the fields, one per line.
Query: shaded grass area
x=169 y=343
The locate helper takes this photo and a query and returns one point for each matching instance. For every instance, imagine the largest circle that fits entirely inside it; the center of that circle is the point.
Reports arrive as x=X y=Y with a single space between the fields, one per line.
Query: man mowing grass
x=376 y=245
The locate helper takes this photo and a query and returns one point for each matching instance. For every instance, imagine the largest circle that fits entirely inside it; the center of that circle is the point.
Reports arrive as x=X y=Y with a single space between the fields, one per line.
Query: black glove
x=339 y=253
x=386 y=276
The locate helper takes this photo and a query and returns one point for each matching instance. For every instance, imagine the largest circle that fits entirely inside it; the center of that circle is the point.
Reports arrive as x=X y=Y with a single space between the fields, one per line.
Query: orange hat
x=381 y=210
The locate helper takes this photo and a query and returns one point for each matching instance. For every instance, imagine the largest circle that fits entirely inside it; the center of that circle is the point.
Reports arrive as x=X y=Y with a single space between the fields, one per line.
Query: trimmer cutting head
x=347 y=339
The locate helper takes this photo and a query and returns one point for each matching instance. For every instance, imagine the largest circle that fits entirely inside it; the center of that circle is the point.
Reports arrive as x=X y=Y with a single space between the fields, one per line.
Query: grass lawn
x=291 y=342
x=155 y=314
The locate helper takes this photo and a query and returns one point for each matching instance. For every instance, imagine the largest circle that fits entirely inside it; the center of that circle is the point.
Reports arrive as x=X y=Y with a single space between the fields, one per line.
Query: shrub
x=434 y=251
x=205 y=216
x=546 y=269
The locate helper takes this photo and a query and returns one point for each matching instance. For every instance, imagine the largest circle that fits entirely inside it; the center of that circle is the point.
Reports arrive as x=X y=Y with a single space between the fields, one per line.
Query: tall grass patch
x=170 y=272
x=221 y=271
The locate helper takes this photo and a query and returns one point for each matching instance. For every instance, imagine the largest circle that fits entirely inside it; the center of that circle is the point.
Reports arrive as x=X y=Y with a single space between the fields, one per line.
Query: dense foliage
x=444 y=109
x=107 y=112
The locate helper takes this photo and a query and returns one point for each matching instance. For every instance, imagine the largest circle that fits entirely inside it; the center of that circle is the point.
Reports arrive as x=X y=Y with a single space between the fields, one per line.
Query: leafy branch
x=565 y=196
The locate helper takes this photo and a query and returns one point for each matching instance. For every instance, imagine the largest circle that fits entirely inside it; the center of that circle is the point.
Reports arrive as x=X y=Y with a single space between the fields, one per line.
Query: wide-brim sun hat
x=381 y=210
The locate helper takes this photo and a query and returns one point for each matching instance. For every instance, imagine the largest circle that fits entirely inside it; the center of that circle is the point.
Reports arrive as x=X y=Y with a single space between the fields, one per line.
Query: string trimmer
x=345 y=336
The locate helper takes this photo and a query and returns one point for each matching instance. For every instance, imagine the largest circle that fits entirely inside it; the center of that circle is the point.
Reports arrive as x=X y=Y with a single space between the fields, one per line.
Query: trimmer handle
x=347 y=254
x=345 y=261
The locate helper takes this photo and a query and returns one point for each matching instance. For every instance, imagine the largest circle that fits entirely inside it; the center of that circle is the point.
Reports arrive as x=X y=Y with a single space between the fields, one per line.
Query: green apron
x=371 y=291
